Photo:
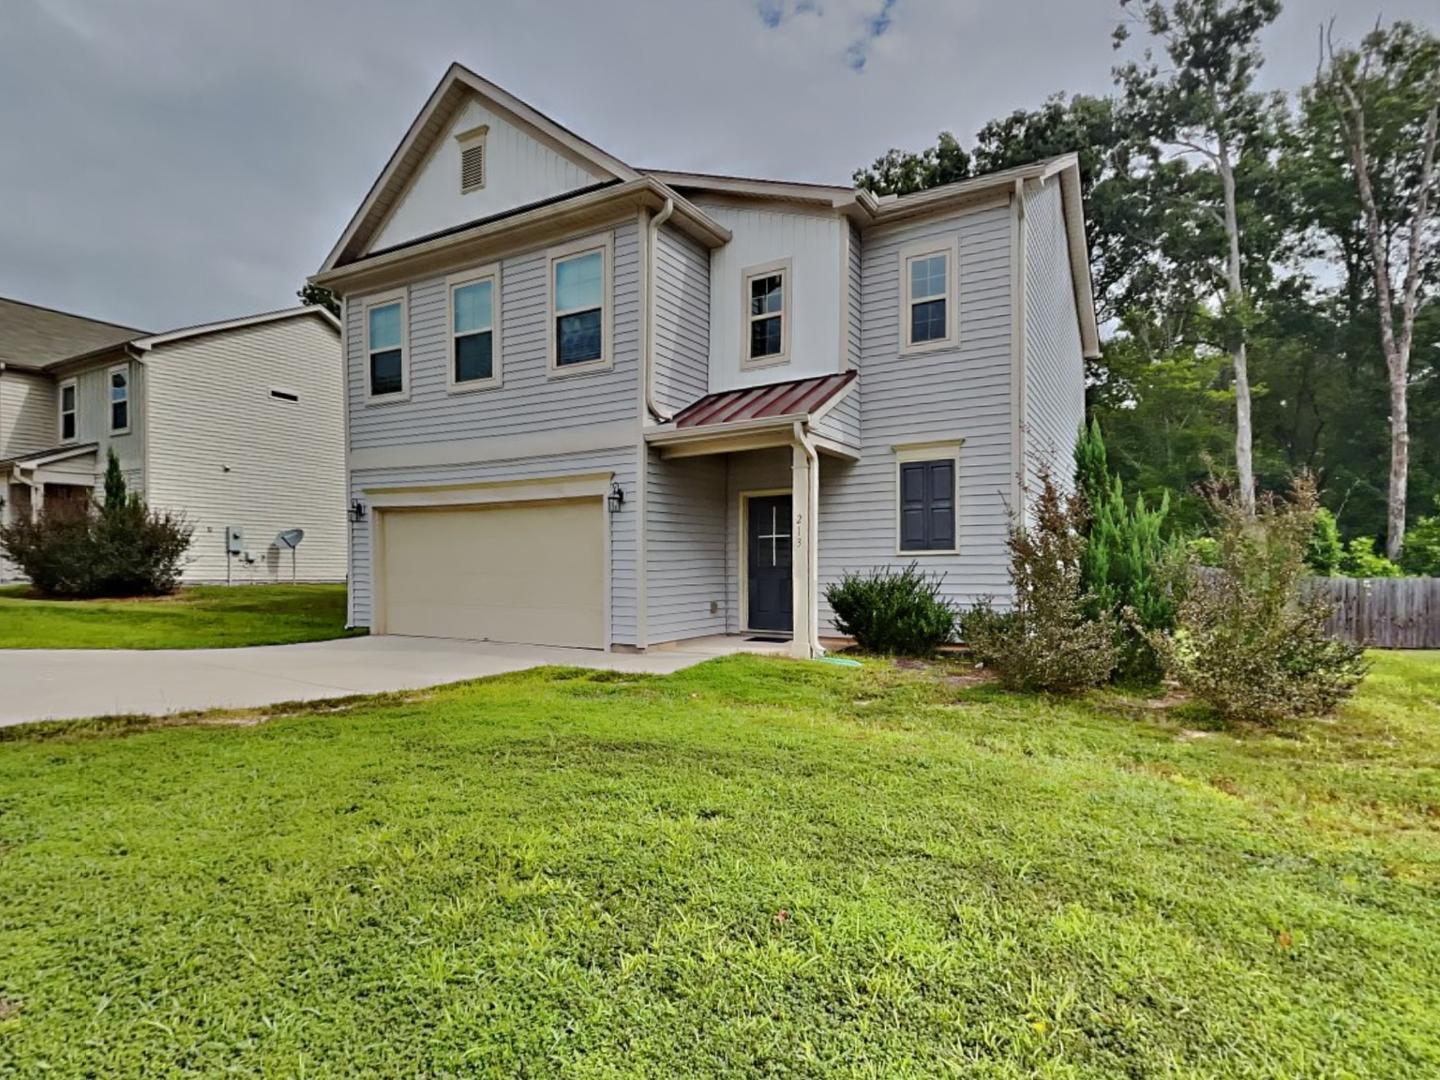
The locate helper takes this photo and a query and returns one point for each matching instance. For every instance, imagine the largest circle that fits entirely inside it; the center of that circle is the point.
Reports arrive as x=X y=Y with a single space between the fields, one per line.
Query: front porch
x=47 y=478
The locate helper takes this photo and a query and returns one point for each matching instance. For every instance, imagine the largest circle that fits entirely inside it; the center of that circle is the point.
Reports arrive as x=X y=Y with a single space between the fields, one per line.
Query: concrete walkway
x=52 y=684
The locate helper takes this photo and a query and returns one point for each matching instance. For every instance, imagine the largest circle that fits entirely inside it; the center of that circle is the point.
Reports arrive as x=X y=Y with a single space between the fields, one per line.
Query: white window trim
x=920 y=249
x=783 y=267
x=382 y=300
x=467 y=139
x=73 y=384
x=110 y=402
x=940 y=450
x=605 y=244
x=490 y=273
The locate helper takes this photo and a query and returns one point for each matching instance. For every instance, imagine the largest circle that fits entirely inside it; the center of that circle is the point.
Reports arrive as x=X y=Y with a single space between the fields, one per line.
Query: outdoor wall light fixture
x=357 y=511
x=616 y=498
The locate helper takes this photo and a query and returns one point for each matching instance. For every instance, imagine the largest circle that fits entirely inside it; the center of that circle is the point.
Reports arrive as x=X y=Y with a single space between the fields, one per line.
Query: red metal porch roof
x=796 y=397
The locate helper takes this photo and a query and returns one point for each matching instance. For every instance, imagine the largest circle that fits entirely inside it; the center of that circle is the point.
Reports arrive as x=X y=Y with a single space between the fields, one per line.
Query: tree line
x=1265 y=264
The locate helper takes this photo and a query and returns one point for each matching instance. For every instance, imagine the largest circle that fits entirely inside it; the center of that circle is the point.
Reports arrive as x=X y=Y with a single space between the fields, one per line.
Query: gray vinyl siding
x=959 y=394
x=842 y=423
x=682 y=320
x=225 y=452
x=757 y=470
x=93 y=423
x=620 y=461
x=685 y=549
x=530 y=398
x=1054 y=362
x=28 y=419
x=854 y=302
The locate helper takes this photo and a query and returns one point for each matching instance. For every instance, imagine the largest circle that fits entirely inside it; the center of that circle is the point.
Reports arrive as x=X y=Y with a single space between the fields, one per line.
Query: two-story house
x=239 y=425
x=595 y=405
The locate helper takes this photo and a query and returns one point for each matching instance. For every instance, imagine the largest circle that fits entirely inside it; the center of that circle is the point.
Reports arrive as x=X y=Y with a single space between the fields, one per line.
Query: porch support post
x=804 y=502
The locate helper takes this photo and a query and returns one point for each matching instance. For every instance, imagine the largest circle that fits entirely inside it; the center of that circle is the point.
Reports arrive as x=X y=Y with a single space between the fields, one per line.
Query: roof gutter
x=652 y=231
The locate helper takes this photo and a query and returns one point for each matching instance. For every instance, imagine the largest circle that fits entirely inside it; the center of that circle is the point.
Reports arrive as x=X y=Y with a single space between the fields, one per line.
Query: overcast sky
x=165 y=162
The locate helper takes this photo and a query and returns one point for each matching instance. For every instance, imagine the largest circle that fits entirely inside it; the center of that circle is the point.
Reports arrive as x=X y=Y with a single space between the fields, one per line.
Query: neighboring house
x=603 y=406
x=237 y=423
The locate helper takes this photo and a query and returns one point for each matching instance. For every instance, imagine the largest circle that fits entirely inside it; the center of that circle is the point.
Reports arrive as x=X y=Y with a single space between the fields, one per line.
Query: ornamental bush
x=1248 y=640
x=82 y=550
x=895 y=612
x=1056 y=636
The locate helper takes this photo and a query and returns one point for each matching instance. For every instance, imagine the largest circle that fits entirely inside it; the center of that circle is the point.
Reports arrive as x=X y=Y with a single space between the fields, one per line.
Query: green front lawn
x=204 y=617
x=754 y=867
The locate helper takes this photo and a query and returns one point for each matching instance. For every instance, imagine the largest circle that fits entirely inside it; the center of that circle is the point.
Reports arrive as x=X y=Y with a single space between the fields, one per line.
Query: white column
x=804 y=489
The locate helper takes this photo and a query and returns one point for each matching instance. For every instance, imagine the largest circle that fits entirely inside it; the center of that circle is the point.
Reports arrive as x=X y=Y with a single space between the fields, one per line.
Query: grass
x=204 y=617
x=753 y=867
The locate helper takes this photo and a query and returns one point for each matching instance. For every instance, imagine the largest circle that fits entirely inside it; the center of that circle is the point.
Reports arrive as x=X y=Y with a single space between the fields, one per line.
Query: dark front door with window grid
x=768 y=563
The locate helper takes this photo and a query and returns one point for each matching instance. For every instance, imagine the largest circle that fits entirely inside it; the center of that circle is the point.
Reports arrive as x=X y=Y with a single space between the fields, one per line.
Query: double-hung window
x=926 y=486
x=119 y=388
x=927 y=320
x=69 y=410
x=474 y=329
x=767 y=314
x=579 y=306
x=385 y=359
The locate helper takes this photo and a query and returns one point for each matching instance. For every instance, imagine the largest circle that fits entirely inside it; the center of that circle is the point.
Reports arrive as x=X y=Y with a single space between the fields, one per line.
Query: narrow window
x=927 y=505
x=119 y=399
x=386 y=349
x=284 y=395
x=472 y=307
x=579 y=302
x=68 y=420
x=927 y=285
x=767 y=336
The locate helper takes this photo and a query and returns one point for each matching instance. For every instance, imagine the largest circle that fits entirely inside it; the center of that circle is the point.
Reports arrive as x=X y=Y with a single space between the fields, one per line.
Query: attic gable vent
x=472 y=158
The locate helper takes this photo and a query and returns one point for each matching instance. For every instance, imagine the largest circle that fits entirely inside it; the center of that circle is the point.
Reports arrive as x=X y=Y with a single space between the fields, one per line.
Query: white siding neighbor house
x=236 y=424
x=595 y=405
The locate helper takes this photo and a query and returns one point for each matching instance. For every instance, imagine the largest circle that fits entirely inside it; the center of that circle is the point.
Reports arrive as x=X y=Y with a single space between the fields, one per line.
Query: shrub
x=896 y=612
x=1052 y=638
x=1124 y=563
x=1248 y=641
x=1362 y=560
x=1323 y=551
x=1421 y=554
x=118 y=548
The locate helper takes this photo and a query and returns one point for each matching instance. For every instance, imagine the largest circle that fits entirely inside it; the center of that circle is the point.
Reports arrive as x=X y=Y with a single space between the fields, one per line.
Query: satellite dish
x=290 y=538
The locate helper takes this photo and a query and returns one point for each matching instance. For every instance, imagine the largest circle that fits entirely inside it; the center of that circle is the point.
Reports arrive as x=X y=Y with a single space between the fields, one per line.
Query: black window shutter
x=912 y=506
x=927 y=506
x=941 y=504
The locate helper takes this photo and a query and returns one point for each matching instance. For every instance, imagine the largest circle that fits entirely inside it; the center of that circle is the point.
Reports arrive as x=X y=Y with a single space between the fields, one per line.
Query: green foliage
x=1422 y=545
x=1056 y=636
x=893 y=612
x=1361 y=560
x=120 y=548
x=1324 y=551
x=1123 y=566
x=310 y=295
x=1248 y=642
x=902 y=172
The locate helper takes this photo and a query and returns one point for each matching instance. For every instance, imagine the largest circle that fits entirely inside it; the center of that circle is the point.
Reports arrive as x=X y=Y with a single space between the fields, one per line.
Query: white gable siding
x=1054 y=363
x=814 y=243
x=519 y=169
x=682 y=320
x=958 y=394
x=28 y=420
x=225 y=452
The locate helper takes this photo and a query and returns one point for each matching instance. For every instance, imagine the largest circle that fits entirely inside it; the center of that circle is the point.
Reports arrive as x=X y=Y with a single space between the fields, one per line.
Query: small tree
x=1051 y=638
x=1324 y=551
x=1422 y=545
x=1248 y=641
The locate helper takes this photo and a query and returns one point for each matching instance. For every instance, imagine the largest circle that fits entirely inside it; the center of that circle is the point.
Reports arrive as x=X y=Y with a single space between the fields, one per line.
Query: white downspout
x=812 y=541
x=649 y=358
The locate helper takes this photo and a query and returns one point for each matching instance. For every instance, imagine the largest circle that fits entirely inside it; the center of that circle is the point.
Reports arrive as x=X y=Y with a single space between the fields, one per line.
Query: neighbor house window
x=69 y=414
x=579 y=319
x=926 y=483
x=767 y=314
x=472 y=158
x=385 y=346
x=928 y=288
x=119 y=379
x=474 y=327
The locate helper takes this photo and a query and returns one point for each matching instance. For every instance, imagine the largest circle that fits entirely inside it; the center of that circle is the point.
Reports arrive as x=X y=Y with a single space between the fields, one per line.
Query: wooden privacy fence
x=1388 y=613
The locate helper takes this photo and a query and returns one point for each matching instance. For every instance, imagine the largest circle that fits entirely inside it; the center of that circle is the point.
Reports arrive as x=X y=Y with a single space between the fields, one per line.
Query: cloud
x=875 y=26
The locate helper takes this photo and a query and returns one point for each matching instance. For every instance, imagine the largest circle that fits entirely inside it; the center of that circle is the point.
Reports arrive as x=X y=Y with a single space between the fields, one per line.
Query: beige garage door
x=525 y=572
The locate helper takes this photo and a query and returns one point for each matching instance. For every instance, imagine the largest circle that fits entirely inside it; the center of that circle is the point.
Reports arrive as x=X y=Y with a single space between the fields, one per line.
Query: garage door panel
x=522 y=573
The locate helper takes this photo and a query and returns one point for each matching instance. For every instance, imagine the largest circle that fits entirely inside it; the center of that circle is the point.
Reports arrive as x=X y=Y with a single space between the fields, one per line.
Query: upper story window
x=767 y=314
x=472 y=158
x=119 y=387
x=474 y=320
x=69 y=411
x=579 y=306
x=927 y=319
x=385 y=352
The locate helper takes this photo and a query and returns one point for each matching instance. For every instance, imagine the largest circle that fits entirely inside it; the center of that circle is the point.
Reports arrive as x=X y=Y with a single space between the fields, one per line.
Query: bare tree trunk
x=1235 y=292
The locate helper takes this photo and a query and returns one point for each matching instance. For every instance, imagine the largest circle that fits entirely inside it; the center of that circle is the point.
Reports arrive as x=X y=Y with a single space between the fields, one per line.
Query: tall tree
x=1206 y=104
x=1379 y=106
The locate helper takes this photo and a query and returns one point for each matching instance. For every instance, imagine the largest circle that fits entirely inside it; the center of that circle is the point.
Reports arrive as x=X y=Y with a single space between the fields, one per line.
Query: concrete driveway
x=53 y=684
